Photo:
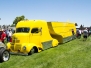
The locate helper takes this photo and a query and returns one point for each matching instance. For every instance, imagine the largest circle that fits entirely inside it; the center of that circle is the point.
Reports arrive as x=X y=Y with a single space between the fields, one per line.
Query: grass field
x=73 y=54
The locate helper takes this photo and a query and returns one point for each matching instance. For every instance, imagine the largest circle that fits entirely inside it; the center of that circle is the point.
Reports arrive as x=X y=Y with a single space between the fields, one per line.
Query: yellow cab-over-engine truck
x=33 y=36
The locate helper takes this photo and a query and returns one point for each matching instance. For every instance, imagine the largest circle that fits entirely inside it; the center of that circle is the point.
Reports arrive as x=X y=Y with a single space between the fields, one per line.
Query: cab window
x=22 y=30
x=35 y=30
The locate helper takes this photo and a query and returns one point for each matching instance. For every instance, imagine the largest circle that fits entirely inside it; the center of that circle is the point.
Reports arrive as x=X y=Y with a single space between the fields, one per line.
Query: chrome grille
x=13 y=41
x=17 y=41
x=12 y=47
x=17 y=47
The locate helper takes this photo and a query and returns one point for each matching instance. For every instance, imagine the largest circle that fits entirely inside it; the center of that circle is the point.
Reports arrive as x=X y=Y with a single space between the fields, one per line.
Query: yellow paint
x=54 y=32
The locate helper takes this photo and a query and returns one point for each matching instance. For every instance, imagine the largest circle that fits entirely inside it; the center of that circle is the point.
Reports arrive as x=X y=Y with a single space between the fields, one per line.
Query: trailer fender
x=55 y=42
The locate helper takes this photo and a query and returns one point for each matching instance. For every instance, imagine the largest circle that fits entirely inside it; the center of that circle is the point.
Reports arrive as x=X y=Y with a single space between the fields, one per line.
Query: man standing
x=2 y=36
x=9 y=36
x=85 y=34
x=78 y=33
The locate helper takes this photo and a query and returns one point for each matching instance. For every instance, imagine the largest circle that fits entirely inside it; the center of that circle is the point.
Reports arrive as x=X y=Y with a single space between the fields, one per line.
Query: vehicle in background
x=4 y=53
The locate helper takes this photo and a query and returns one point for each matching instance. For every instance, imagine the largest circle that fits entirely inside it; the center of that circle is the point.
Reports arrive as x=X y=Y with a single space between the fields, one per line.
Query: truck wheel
x=4 y=55
x=32 y=51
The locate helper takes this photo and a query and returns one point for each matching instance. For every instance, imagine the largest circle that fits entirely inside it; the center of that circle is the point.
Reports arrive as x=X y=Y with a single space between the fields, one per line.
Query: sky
x=78 y=11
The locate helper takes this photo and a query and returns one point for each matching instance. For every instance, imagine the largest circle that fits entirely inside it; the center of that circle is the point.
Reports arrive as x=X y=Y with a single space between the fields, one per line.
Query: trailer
x=33 y=36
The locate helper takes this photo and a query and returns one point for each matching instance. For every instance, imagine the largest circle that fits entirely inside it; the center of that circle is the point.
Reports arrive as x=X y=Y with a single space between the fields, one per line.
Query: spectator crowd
x=5 y=35
x=84 y=33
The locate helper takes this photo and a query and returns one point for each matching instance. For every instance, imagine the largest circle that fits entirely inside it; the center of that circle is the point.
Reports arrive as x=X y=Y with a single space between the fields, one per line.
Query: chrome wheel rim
x=5 y=56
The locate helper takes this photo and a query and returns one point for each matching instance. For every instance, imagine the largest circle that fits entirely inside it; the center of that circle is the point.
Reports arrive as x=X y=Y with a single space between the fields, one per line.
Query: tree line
x=17 y=19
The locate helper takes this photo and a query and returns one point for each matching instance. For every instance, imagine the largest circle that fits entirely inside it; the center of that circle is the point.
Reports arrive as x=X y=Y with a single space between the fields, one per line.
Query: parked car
x=4 y=53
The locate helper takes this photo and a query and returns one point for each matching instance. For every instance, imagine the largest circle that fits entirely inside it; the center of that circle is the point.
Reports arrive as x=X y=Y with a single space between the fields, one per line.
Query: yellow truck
x=33 y=36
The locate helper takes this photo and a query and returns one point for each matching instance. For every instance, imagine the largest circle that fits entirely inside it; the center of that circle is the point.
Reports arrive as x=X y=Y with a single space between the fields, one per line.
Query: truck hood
x=20 y=38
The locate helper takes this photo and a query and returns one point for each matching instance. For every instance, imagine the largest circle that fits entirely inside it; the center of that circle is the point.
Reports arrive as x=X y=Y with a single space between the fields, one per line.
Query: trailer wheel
x=4 y=55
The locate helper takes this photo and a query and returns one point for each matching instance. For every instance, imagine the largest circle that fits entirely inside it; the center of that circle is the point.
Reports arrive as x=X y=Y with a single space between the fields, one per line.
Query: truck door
x=36 y=36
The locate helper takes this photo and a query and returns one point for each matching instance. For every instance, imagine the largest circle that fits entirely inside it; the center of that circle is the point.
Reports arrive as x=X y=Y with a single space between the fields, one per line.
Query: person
x=2 y=36
x=6 y=32
x=89 y=32
x=9 y=36
x=73 y=32
x=78 y=33
x=85 y=34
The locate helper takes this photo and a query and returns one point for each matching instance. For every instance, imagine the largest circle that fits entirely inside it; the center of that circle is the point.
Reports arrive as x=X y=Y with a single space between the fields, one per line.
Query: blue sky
x=78 y=11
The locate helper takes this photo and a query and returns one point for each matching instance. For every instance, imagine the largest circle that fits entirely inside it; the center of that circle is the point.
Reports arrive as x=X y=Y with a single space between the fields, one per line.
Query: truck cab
x=28 y=37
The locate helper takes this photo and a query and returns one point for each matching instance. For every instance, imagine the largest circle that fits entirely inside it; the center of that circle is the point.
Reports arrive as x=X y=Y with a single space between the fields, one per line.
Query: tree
x=81 y=27
x=19 y=18
x=76 y=24
x=12 y=25
x=3 y=26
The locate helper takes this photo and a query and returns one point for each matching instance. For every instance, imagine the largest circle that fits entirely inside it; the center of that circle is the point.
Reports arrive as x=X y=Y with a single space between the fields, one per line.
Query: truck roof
x=36 y=23
x=29 y=23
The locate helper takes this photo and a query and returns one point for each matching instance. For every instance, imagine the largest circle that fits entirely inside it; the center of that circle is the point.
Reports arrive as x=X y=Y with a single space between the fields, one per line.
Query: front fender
x=28 y=47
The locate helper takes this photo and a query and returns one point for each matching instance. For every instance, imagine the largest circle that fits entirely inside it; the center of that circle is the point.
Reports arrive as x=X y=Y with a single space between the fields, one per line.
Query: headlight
x=24 y=47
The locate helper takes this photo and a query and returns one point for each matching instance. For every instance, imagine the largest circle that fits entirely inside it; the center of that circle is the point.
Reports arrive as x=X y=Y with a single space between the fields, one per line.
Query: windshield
x=22 y=30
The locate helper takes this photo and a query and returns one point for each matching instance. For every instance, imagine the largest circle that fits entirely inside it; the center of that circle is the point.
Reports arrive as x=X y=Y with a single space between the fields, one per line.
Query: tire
x=32 y=51
x=4 y=55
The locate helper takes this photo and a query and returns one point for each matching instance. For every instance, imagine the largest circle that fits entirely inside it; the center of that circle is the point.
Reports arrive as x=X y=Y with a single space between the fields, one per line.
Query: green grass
x=73 y=54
